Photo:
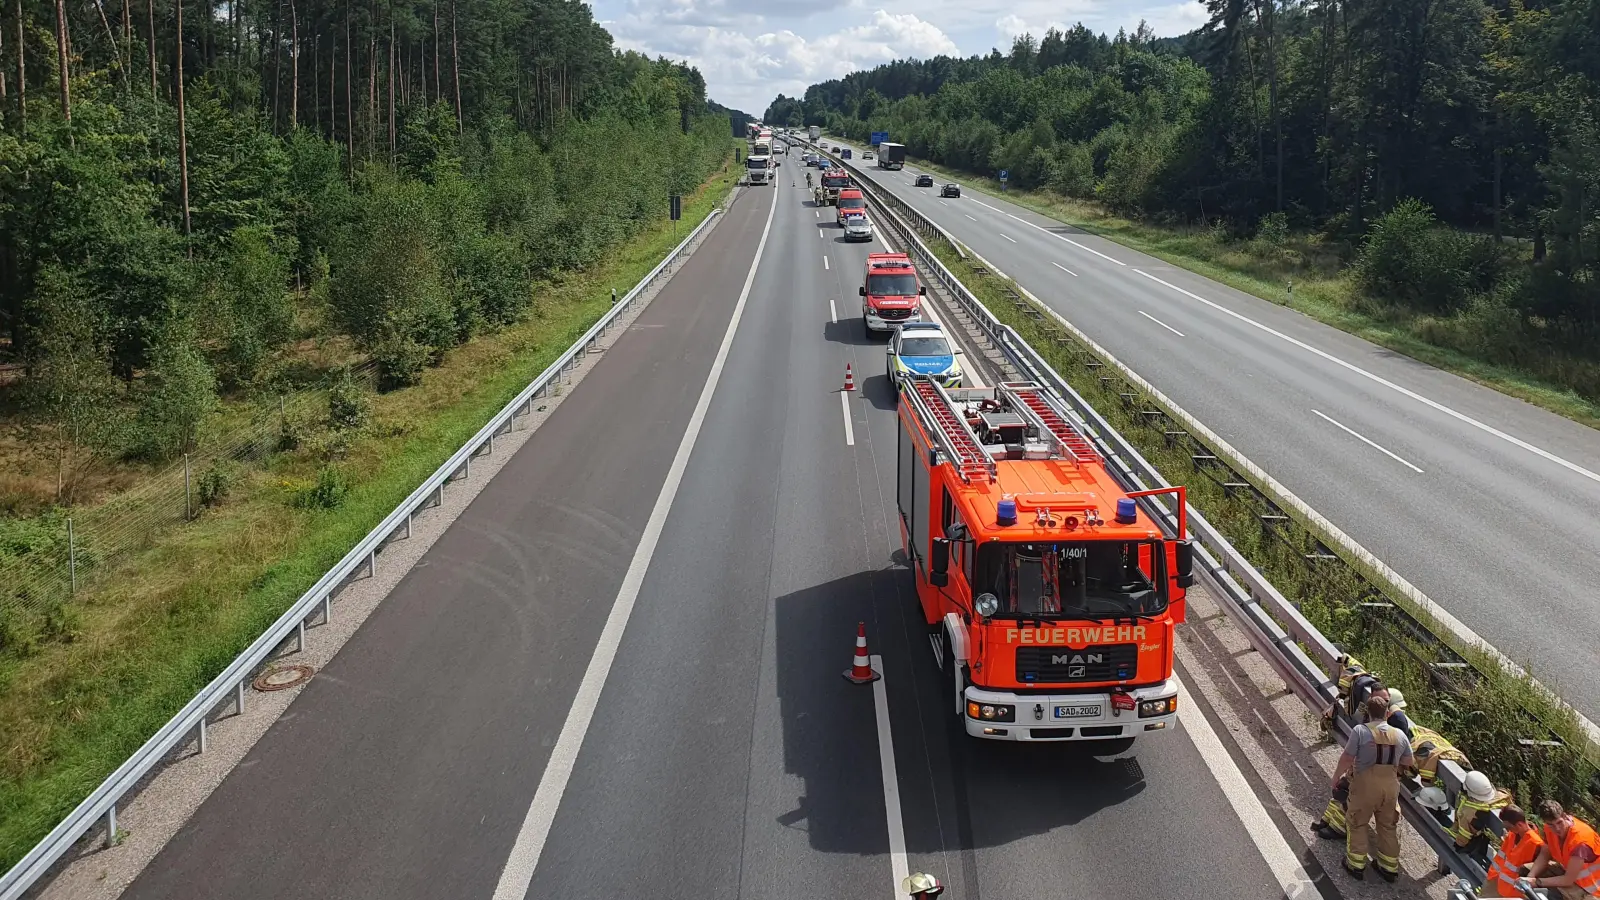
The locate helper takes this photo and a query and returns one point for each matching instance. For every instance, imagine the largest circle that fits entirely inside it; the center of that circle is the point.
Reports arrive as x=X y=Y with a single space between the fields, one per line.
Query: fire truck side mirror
x=1185 y=564
x=862 y=290
x=939 y=563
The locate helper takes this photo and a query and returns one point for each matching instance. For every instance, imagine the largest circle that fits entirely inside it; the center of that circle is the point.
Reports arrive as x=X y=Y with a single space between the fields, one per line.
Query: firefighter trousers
x=1374 y=796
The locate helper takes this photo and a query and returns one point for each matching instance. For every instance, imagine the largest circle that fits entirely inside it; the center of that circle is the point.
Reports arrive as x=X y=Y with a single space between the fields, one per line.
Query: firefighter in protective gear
x=1518 y=849
x=1480 y=801
x=921 y=885
x=1397 y=712
x=1569 y=861
x=1431 y=748
x=1373 y=758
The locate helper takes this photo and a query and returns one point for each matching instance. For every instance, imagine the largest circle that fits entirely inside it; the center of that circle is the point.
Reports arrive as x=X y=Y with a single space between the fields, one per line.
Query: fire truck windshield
x=892 y=285
x=1079 y=580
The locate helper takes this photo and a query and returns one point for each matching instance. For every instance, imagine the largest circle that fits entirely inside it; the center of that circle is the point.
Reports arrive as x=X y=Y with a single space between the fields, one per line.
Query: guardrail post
x=238 y=698
x=372 y=568
x=466 y=467
x=327 y=607
x=200 y=734
x=491 y=445
x=300 y=637
x=111 y=826
x=409 y=517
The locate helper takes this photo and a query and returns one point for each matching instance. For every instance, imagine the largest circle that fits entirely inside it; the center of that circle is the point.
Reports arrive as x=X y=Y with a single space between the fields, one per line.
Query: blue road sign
x=879 y=137
x=1004 y=175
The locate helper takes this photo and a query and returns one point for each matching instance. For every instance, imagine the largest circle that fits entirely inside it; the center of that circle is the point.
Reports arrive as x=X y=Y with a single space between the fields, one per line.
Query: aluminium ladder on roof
x=1033 y=403
x=949 y=427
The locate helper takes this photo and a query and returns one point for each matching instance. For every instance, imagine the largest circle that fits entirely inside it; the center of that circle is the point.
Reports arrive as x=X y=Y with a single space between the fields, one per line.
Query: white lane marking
x=1008 y=237
x=1161 y=323
x=1432 y=404
x=819 y=234
x=1279 y=856
x=817 y=213
x=849 y=429
x=833 y=311
x=987 y=206
x=899 y=865
x=942 y=203
x=1365 y=440
x=964 y=214
x=1065 y=269
x=1067 y=239
x=524 y=859
x=824 y=261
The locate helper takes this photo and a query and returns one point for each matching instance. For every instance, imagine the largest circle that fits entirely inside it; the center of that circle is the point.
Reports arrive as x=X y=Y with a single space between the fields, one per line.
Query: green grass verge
x=1304 y=273
x=1487 y=716
x=172 y=617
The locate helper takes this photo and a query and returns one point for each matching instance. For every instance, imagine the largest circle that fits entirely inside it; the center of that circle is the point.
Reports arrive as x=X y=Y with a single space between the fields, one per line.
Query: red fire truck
x=891 y=294
x=1050 y=596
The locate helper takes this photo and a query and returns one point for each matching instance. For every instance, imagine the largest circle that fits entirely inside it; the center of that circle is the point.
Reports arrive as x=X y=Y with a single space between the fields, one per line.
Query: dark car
x=924 y=180
x=950 y=190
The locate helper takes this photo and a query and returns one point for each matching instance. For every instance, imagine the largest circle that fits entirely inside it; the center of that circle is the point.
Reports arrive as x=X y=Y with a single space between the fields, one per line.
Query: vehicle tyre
x=1110 y=748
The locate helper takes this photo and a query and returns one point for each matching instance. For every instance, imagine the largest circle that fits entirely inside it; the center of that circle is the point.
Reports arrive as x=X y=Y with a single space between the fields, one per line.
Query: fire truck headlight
x=990 y=712
x=1161 y=707
x=988 y=605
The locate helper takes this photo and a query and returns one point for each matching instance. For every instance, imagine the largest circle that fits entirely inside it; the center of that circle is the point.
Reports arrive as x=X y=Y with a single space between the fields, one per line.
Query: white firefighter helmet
x=1479 y=787
x=1433 y=798
x=922 y=884
x=1397 y=700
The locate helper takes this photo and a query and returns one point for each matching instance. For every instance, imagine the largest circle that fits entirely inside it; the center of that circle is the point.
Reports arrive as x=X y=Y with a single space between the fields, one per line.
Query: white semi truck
x=758 y=169
x=815 y=132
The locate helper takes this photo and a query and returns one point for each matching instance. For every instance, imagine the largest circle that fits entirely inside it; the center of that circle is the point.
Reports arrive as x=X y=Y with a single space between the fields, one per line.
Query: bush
x=215 y=483
x=1409 y=259
x=329 y=491
x=401 y=359
x=1273 y=230
x=348 y=406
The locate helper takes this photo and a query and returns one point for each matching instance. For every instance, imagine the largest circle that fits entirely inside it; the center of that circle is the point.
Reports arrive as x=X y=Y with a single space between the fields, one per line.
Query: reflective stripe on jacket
x=1515 y=852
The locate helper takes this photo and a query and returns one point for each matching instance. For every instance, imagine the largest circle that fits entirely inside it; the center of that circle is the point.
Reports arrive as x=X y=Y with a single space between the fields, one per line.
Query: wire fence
x=47 y=560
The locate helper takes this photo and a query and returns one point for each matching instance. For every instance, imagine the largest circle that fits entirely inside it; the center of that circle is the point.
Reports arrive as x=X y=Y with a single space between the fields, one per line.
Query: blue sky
x=751 y=50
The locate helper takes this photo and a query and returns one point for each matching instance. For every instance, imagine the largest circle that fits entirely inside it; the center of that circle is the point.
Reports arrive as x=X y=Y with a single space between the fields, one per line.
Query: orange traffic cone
x=860 y=670
x=849 y=378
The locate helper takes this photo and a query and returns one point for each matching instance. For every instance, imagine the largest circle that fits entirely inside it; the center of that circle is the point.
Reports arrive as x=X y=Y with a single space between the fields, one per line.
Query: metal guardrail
x=191 y=722
x=1273 y=625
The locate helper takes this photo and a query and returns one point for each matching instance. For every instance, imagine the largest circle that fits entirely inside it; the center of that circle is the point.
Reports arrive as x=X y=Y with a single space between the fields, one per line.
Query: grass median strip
x=1491 y=714
x=150 y=634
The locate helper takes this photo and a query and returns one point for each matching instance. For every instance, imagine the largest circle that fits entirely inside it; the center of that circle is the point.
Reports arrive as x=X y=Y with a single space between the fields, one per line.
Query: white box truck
x=816 y=132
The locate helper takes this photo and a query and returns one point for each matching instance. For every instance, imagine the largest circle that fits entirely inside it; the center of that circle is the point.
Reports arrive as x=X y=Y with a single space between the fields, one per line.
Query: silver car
x=857 y=228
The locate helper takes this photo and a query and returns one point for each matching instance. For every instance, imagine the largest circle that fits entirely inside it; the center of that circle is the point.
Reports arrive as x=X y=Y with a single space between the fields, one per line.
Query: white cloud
x=747 y=70
x=752 y=50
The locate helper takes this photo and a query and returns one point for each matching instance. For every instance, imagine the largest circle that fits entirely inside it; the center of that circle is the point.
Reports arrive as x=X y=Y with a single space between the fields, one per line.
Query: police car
x=922 y=348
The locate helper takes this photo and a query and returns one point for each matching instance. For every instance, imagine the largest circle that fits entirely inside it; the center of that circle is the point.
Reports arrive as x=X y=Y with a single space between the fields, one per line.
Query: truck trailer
x=891 y=156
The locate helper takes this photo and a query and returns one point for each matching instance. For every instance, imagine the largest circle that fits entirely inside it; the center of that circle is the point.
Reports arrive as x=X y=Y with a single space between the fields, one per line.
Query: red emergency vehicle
x=1050 y=594
x=850 y=200
x=891 y=293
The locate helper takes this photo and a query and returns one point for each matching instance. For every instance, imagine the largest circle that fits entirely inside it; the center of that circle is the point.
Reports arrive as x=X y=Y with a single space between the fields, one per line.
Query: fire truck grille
x=1058 y=665
x=894 y=315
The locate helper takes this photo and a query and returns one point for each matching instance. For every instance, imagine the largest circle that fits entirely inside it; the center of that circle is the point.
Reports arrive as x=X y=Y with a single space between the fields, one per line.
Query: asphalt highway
x=1484 y=502
x=710 y=484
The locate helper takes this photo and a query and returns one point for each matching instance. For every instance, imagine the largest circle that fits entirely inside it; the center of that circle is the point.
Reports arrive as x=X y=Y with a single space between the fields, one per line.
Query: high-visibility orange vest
x=1579 y=835
x=1515 y=852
